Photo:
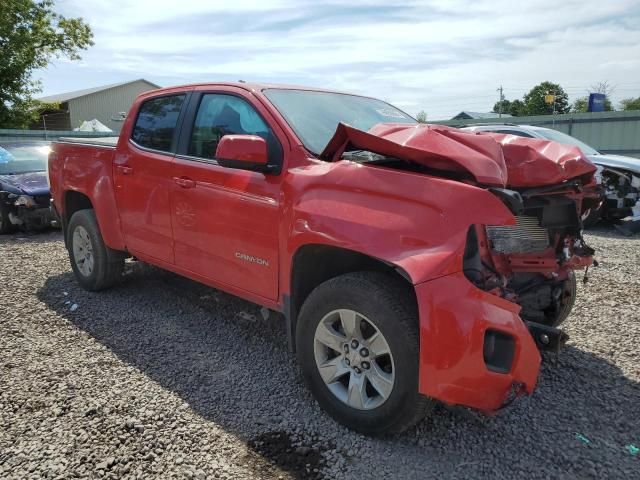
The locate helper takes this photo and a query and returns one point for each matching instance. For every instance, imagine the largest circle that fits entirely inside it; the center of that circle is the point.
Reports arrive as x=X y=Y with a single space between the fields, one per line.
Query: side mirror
x=247 y=152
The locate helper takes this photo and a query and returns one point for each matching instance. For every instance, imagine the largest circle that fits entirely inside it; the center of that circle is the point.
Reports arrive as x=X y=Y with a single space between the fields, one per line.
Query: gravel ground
x=164 y=378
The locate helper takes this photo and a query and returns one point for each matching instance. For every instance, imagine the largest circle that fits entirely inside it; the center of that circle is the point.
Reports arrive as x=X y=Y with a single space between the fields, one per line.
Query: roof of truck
x=257 y=86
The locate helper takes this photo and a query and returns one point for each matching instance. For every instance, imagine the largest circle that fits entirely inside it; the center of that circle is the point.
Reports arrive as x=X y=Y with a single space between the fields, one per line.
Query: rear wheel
x=95 y=266
x=358 y=348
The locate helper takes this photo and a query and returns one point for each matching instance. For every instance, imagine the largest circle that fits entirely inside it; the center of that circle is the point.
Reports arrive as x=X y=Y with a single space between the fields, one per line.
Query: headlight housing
x=25 y=201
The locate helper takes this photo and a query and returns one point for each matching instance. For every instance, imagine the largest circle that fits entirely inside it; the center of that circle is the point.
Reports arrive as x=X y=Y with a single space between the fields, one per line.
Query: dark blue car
x=24 y=188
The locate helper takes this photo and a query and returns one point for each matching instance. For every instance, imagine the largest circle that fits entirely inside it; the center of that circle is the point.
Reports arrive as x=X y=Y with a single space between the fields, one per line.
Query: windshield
x=567 y=139
x=314 y=116
x=23 y=158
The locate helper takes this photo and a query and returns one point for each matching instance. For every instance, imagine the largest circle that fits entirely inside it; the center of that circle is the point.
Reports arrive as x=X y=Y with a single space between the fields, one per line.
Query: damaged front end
x=620 y=192
x=25 y=212
x=482 y=327
x=533 y=262
x=547 y=186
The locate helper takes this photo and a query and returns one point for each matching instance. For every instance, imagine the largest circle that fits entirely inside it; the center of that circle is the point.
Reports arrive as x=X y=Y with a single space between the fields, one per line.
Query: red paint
x=489 y=158
x=438 y=147
x=533 y=162
x=243 y=148
x=454 y=316
x=239 y=230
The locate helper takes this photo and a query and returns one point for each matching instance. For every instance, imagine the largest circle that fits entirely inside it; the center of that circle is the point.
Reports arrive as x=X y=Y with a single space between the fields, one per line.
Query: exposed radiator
x=526 y=236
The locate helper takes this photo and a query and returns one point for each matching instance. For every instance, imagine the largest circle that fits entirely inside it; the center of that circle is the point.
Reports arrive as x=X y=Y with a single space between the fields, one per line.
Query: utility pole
x=500 y=102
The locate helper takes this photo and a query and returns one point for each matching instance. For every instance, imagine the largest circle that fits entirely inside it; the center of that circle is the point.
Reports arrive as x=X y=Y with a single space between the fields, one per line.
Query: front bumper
x=454 y=318
x=32 y=218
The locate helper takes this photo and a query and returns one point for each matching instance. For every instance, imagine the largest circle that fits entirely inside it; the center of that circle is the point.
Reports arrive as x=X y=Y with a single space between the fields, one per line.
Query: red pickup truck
x=412 y=262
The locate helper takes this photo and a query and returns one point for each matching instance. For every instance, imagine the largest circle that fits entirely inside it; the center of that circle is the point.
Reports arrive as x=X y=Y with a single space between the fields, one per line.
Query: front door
x=225 y=221
x=142 y=177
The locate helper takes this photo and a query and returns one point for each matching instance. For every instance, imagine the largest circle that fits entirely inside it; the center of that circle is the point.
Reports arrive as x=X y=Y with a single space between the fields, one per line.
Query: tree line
x=32 y=34
x=536 y=101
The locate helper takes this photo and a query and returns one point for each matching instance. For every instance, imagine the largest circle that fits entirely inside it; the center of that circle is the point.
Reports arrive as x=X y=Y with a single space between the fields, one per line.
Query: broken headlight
x=25 y=201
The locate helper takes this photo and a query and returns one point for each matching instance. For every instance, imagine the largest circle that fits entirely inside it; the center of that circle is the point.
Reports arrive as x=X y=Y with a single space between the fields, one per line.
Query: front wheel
x=5 y=223
x=593 y=217
x=358 y=348
x=95 y=266
x=566 y=301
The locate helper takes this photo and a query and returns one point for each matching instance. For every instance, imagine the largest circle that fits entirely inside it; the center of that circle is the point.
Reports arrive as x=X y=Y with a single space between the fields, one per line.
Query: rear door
x=225 y=221
x=142 y=176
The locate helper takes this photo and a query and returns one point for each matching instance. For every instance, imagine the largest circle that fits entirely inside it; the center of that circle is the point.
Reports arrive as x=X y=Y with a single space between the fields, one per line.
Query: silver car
x=618 y=175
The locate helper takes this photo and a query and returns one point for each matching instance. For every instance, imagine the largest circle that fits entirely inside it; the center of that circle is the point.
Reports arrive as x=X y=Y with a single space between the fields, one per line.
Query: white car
x=618 y=175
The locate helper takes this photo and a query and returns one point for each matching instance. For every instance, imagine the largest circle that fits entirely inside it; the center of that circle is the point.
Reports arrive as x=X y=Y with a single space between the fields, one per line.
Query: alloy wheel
x=82 y=251
x=354 y=359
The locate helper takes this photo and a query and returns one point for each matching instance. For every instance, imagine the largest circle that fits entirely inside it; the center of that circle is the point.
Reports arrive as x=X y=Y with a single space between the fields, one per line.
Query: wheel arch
x=313 y=264
x=73 y=202
x=106 y=215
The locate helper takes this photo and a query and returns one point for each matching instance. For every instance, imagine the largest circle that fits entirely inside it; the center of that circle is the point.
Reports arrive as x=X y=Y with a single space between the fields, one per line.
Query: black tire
x=5 y=224
x=569 y=293
x=107 y=264
x=391 y=307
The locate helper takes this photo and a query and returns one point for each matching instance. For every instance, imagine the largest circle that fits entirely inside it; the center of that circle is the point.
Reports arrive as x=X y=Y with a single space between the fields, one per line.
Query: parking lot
x=162 y=377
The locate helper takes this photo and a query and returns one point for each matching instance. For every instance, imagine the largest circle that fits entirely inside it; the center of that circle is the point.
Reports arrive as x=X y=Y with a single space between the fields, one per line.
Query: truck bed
x=94 y=142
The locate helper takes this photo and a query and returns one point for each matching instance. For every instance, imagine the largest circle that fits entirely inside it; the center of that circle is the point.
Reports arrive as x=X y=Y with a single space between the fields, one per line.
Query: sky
x=436 y=56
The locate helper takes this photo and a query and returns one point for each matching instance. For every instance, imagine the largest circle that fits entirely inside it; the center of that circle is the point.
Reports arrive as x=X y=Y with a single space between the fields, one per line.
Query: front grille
x=526 y=236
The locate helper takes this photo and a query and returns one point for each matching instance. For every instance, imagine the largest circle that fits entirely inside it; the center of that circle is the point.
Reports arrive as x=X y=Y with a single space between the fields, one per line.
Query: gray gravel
x=164 y=378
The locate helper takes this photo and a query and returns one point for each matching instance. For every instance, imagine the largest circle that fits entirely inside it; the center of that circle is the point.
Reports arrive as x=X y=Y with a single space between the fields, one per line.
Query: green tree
x=506 y=104
x=630 y=104
x=421 y=117
x=31 y=35
x=534 y=100
x=581 y=105
x=517 y=108
x=514 y=108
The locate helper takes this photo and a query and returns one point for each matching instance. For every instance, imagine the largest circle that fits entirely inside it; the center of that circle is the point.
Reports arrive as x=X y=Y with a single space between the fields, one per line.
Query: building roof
x=466 y=115
x=65 y=97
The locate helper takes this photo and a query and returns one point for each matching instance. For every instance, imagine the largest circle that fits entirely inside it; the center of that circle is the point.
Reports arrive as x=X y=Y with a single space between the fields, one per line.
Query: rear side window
x=156 y=122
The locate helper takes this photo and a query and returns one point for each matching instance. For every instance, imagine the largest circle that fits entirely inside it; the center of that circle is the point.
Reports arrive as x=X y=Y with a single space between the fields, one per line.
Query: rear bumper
x=454 y=318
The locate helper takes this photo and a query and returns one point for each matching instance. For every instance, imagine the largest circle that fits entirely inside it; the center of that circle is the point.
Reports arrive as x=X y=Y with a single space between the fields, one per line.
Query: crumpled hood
x=441 y=148
x=617 y=161
x=34 y=183
x=533 y=162
x=490 y=158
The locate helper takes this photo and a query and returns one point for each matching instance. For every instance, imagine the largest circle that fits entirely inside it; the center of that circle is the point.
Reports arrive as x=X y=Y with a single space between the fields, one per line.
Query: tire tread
x=398 y=298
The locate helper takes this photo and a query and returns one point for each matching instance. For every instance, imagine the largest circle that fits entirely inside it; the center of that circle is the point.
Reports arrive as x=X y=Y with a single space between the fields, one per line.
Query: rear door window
x=156 y=123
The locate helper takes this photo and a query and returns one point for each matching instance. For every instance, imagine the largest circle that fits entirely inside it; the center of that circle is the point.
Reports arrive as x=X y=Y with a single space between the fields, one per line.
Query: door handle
x=124 y=170
x=184 y=182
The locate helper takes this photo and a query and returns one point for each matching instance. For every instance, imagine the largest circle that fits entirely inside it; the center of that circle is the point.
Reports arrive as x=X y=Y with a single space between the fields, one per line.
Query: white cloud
x=440 y=56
